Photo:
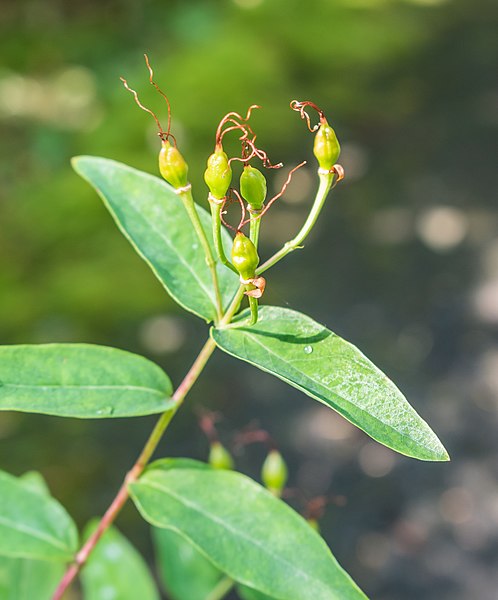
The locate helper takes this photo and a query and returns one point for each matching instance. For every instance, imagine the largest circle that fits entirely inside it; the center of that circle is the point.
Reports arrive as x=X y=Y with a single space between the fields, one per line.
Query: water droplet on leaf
x=308 y=349
x=106 y=410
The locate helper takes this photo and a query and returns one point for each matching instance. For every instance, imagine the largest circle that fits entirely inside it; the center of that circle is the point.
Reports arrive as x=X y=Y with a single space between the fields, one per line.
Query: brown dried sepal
x=259 y=284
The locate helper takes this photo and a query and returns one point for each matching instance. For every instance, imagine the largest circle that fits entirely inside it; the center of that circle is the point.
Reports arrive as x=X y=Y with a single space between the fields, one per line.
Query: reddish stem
x=147 y=452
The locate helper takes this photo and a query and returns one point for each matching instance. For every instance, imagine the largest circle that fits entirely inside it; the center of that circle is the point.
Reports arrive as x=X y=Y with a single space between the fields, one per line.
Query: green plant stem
x=146 y=453
x=254 y=226
x=253 y=305
x=189 y=204
x=222 y=588
x=217 y=239
x=321 y=195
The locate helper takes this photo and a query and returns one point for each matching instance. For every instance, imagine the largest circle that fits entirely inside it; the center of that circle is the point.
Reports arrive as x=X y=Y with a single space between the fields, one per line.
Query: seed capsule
x=244 y=256
x=326 y=147
x=218 y=174
x=172 y=165
x=219 y=457
x=253 y=187
x=274 y=472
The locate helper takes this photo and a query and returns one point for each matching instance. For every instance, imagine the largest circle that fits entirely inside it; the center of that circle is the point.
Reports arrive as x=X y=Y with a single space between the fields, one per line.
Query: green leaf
x=32 y=524
x=26 y=579
x=34 y=481
x=316 y=361
x=115 y=570
x=246 y=532
x=186 y=572
x=247 y=593
x=81 y=380
x=152 y=217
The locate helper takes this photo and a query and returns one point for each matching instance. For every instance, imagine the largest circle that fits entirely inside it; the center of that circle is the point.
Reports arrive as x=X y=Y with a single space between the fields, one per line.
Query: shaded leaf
x=186 y=572
x=26 y=579
x=32 y=524
x=311 y=358
x=247 y=593
x=246 y=532
x=81 y=380
x=152 y=217
x=115 y=570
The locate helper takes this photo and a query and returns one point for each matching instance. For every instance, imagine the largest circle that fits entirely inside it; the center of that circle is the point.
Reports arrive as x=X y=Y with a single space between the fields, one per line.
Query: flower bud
x=274 y=472
x=326 y=147
x=172 y=165
x=218 y=174
x=244 y=256
x=219 y=457
x=253 y=187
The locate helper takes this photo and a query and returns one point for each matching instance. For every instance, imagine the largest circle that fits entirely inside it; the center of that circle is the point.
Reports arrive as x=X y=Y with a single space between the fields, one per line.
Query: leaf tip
x=77 y=161
x=444 y=456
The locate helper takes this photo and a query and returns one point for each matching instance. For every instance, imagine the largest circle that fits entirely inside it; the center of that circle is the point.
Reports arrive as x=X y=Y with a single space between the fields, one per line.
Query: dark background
x=404 y=261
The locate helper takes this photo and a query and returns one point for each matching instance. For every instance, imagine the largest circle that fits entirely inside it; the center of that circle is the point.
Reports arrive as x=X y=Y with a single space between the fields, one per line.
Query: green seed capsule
x=253 y=187
x=326 y=147
x=218 y=174
x=244 y=256
x=274 y=472
x=172 y=165
x=220 y=458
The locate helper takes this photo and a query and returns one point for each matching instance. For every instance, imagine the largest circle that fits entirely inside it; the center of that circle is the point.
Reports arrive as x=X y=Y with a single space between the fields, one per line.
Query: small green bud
x=326 y=147
x=172 y=165
x=218 y=174
x=244 y=256
x=219 y=457
x=274 y=472
x=253 y=187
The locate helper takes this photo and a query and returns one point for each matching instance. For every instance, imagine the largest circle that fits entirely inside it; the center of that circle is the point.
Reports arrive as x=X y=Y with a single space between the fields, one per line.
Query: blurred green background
x=404 y=262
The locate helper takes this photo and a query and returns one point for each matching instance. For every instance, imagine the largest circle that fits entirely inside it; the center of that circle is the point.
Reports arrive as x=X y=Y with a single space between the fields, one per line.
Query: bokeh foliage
x=395 y=265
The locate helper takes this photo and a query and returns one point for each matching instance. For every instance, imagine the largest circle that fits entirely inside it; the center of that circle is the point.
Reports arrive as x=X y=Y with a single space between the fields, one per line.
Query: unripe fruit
x=244 y=256
x=274 y=472
x=219 y=457
x=218 y=174
x=172 y=165
x=326 y=147
x=253 y=187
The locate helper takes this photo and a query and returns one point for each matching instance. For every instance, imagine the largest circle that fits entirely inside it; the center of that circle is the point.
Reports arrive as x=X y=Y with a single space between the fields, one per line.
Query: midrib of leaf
x=309 y=379
x=242 y=534
x=134 y=388
x=33 y=532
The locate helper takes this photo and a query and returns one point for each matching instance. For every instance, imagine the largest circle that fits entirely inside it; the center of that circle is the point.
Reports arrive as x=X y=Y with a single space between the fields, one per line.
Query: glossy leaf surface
x=115 y=570
x=311 y=358
x=81 y=380
x=246 y=532
x=32 y=524
x=152 y=217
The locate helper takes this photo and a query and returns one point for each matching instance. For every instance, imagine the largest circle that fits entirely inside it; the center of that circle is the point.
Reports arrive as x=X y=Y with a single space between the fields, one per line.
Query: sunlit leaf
x=152 y=217
x=249 y=534
x=81 y=380
x=318 y=362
